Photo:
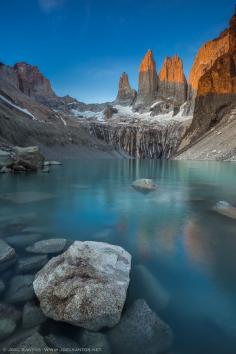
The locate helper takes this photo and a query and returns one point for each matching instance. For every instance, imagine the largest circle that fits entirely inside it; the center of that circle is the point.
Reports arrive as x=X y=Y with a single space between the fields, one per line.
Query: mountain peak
x=148 y=62
x=172 y=70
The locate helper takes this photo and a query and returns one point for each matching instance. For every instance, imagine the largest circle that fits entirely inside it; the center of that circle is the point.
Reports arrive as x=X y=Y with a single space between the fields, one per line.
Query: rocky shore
x=45 y=282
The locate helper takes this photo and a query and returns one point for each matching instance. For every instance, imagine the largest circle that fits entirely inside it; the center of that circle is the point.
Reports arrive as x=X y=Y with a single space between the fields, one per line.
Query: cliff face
x=142 y=141
x=210 y=52
x=172 y=81
x=126 y=94
x=147 y=89
x=32 y=83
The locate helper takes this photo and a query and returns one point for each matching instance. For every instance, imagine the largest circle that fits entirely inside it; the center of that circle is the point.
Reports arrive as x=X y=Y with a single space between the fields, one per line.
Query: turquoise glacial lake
x=183 y=251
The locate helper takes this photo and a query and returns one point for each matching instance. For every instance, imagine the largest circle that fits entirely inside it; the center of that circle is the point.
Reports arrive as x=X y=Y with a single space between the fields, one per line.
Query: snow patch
x=88 y=114
x=24 y=110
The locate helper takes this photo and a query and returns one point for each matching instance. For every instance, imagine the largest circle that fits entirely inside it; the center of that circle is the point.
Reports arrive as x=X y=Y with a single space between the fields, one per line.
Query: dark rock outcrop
x=172 y=81
x=109 y=111
x=32 y=83
x=148 y=81
x=126 y=95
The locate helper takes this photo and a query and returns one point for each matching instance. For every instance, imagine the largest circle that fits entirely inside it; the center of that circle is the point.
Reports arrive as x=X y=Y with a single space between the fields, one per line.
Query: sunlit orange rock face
x=147 y=90
x=213 y=78
x=211 y=51
x=172 y=81
x=32 y=82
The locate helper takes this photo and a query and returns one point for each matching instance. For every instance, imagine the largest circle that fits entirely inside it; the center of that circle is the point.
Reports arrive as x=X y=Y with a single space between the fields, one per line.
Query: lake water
x=183 y=252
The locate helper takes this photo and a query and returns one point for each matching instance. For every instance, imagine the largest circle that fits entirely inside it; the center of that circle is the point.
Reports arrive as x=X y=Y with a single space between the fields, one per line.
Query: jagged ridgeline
x=166 y=117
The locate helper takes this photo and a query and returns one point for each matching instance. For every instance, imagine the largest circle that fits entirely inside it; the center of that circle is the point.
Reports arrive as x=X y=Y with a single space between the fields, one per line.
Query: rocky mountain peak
x=148 y=80
x=172 y=70
x=172 y=81
x=32 y=82
x=148 y=62
x=126 y=94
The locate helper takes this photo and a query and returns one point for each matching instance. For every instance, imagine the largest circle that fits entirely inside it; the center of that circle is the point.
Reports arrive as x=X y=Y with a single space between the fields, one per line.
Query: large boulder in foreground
x=85 y=286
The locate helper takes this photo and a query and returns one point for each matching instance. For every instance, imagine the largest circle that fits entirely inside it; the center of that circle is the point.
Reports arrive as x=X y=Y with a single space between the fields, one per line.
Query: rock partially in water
x=32 y=316
x=30 y=264
x=226 y=209
x=141 y=331
x=52 y=163
x=31 y=157
x=5 y=169
x=86 y=286
x=94 y=340
x=144 y=185
x=56 y=245
x=20 y=289
x=23 y=240
x=7 y=255
x=5 y=158
x=7 y=327
x=148 y=286
x=62 y=343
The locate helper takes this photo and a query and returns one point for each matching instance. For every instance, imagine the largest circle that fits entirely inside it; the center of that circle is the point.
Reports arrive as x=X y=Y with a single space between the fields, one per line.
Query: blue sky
x=82 y=46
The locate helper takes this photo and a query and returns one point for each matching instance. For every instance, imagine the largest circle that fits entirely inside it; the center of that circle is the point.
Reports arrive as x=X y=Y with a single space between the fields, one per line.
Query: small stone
x=52 y=163
x=7 y=327
x=8 y=311
x=144 y=185
x=20 y=289
x=48 y=246
x=32 y=316
x=7 y=255
x=5 y=169
x=29 y=264
x=23 y=240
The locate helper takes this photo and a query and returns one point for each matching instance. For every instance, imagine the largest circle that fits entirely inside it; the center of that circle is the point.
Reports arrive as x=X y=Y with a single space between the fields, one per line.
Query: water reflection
x=183 y=252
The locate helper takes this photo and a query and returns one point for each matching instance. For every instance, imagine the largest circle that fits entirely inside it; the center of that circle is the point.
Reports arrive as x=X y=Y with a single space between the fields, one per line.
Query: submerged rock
x=7 y=255
x=48 y=246
x=147 y=286
x=144 y=185
x=7 y=327
x=29 y=264
x=141 y=331
x=32 y=316
x=34 y=341
x=20 y=289
x=86 y=286
x=8 y=311
x=23 y=240
x=93 y=340
x=226 y=209
x=62 y=343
